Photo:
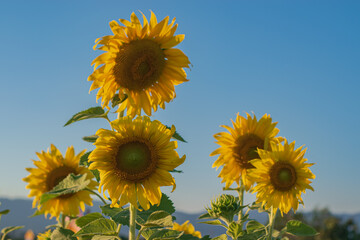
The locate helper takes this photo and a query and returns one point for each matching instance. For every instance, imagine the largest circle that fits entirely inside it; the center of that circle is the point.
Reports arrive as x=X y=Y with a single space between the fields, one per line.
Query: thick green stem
x=93 y=192
x=241 y=202
x=132 y=224
x=271 y=223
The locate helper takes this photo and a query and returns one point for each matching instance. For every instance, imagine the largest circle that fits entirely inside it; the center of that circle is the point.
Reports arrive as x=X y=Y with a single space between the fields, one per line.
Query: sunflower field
x=134 y=156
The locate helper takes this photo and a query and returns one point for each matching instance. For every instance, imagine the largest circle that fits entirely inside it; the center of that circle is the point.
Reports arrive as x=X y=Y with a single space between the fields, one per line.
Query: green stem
x=139 y=234
x=62 y=223
x=118 y=229
x=271 y=222
x=92 y=191
x=132 y=223
x=241 y=202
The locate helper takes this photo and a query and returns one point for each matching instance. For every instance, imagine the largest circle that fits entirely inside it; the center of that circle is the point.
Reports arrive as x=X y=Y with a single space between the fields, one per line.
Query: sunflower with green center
x=187 y=228
x=281 y=174
x=134 y=161
x=139 y=65
x=51 y=168
x=239 y=146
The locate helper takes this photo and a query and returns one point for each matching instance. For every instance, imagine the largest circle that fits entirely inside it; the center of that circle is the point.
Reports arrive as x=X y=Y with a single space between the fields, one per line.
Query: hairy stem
x=132 y=223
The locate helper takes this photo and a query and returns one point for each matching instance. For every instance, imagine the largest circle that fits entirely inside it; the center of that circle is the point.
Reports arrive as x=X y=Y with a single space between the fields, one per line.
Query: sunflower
x=135 y=160
x=187 y=228
x=281 y=174
x=239 y=147
x=139 y=65
x=44 y=236
x=51 y=169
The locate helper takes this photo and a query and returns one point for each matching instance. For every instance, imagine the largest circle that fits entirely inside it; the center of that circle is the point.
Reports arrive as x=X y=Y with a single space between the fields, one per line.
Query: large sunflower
x=239 y=147
x=281 y=174
x=135 y=160
x=139 y=64
x=51 y=169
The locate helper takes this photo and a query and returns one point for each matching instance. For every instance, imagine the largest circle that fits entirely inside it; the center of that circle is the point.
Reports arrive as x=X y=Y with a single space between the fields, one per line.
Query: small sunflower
x=281 y=174
x=135 y=160
x=139 y=64
x=44 y=236
x=187 y=228
x=239 y=147
x=51 y=169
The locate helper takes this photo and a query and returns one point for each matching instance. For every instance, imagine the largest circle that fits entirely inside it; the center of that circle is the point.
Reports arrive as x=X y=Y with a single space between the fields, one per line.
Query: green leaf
x=298 y=228
x=4 y=212
x=100 y=226
x=166 y=234
x=84 y=220
x=254 y=226
x=7 y=230
x=177 y=136
x=84 y=159
x=116 y=100
x=214 y=222
x=102 y=237
x=91 y=138
x=62 y=234
x=165 y=205
x=119 y=215
x=94 y=112
x=235 y=230
x=71 y=184
x=221 y=237
x=159 y=219
x=96 y=174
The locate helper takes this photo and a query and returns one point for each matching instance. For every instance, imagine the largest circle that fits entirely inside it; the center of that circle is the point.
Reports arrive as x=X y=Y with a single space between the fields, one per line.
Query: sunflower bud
x=225 y=207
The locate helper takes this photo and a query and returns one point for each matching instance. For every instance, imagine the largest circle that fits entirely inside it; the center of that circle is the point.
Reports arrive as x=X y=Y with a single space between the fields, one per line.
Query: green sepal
x=205 y=216
x=62 y=234
x=100 y=226
x=176 y=171
x=116 y=100
x=221 y=237
x=71 y=184
x=177 y=136
x=4 y=212
x=91 y=138
x=214 y=222
x=235 y=230
x=84 y=220
x=300 y=229
x=93 y=112
x=7 y=230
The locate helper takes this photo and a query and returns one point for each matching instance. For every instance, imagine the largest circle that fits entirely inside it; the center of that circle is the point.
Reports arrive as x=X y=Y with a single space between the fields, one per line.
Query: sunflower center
x=139 y=64
x=283 y=176
x=246 y=149
x=135 y=160
x=56 y=176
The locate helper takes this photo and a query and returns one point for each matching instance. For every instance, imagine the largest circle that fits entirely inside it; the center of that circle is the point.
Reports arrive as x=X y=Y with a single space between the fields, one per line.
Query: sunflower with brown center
x=139 y=64
x=282 y=175
x=134 y=161
x=239 y=147
x=187 y=228
x=50 y=170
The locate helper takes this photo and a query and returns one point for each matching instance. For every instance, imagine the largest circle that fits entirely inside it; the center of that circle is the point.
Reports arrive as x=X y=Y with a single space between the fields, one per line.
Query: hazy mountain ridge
x=21 y=210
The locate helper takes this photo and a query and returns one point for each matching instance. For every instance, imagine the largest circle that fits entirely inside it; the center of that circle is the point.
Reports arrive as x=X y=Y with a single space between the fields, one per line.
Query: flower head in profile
x=282 y=175
x=139 y=65
x=51 y=168
x=240 y=145
x=134 y=161
x=187 y=228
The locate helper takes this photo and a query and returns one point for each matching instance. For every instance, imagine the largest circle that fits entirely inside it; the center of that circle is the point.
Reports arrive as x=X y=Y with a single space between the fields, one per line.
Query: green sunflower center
x=246 y=149
x=139 y=64
x=135 y=160
x=56 y=176
x=283 y=176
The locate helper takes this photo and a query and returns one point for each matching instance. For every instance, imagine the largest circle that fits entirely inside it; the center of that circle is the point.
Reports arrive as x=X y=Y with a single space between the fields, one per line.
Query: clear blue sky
x=296 y=60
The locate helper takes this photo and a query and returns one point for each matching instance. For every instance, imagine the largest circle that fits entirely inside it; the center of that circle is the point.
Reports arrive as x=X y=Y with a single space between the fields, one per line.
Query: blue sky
x=296 y=60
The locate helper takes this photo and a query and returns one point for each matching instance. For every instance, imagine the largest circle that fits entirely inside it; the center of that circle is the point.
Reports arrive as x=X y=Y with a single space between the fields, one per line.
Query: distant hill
x=21 y=210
